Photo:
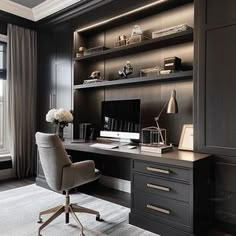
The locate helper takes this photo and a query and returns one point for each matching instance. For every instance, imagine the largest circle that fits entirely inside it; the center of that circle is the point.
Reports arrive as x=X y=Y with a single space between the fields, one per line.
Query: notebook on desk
x=104 y=146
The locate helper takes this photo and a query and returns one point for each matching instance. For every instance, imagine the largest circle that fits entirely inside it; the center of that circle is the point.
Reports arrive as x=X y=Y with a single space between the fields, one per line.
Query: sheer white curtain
x=21 y=97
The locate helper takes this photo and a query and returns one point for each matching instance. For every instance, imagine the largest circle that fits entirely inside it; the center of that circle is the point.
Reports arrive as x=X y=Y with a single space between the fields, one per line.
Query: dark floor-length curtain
x=21 y=97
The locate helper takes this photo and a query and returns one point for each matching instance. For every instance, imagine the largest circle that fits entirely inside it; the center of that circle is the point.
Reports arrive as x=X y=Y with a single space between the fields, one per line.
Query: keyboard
x=104 y=146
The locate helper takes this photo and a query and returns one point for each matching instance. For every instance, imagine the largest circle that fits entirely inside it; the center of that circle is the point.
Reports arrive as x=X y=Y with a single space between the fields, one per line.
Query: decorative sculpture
x=127 y=70
x=95 y=75
x=136 y=31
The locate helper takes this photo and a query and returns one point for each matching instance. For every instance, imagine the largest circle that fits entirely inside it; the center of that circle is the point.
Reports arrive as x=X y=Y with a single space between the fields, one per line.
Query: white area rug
x=19 y=210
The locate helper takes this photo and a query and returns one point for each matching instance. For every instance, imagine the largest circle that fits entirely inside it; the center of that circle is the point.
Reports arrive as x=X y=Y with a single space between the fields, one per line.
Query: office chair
x=62 y=175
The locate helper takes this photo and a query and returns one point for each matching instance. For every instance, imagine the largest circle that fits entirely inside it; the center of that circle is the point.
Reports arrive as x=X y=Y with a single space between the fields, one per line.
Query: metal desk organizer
x=151 y=136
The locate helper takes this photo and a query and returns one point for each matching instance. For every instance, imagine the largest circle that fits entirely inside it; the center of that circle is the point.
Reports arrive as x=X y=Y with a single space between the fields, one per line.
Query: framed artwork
x=186 y=139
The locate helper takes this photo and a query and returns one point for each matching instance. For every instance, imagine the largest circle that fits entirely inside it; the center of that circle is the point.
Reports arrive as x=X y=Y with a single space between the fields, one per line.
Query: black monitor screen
x=121 y=116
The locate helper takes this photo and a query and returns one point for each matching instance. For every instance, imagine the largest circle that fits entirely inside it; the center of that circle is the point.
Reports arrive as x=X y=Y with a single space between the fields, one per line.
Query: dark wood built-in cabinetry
x=152 y=91
x=170 y=199
x=214 y=80
x=54 y=73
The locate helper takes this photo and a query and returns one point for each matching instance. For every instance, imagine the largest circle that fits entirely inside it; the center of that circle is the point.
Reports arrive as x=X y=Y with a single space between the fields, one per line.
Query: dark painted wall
x=6 y=18
x=54 y=74
x=3 y=27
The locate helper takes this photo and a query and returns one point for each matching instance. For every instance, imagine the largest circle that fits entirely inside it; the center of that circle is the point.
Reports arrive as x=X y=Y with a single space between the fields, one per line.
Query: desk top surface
x=176 y=157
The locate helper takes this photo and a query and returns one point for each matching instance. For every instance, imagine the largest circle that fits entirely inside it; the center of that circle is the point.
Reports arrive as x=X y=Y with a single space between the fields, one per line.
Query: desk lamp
x=172 y=107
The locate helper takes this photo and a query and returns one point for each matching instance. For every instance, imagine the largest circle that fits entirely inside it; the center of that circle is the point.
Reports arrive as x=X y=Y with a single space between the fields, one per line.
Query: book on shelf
x=88 y=81
x=171 y=30
x=166 y=72
x=156 y=148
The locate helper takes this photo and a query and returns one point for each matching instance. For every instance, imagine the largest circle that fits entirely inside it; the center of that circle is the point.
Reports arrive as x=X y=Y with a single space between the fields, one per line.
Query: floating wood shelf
x=161 y=78
x=173 y=39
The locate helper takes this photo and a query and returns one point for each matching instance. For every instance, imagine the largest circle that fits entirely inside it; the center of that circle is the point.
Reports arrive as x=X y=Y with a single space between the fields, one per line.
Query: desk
x=178 y=158
x=169 y=192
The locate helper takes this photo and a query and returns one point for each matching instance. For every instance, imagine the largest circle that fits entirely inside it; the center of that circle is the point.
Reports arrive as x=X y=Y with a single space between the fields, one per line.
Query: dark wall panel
x=63 y=71
x=153 y=97
x=87 y=108
x=220 y=87
x=149 y=59
x=225 y=190
x=46 y=74
x=214 y=95
x=220 y=12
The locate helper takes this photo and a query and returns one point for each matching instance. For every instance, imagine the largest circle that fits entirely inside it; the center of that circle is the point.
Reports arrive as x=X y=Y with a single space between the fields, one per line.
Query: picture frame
x=186 y=139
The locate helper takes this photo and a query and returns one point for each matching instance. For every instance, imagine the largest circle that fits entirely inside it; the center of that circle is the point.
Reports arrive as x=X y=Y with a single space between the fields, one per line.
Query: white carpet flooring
x=19 y=210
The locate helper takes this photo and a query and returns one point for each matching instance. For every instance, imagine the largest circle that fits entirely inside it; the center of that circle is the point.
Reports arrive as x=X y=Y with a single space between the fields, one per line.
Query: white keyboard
x=104 y=146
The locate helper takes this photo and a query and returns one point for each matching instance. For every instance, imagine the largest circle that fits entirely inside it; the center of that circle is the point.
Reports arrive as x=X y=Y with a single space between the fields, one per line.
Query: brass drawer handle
x=158 y=209
x=158 y=170
x=158 y=187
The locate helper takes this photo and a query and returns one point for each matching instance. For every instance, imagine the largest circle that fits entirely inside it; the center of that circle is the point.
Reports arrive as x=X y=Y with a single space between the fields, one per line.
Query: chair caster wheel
x=82 y=234
x=98 y=218
x=40 y=221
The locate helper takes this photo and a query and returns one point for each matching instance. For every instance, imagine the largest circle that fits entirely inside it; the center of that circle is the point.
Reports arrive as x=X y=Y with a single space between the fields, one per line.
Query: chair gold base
x=67 y=208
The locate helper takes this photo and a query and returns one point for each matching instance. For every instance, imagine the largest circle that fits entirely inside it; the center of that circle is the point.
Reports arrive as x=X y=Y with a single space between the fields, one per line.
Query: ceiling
x=35 y=10
x=28 y=3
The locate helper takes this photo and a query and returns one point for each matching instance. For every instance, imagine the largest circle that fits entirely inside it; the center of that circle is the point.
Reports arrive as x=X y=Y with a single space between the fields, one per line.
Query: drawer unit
x=165 y=196
x=162 y=170
x=159 y=207
x=166 y=188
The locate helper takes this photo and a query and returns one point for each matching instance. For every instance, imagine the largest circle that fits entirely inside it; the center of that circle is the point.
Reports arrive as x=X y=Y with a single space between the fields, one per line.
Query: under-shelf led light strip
x=122 y=15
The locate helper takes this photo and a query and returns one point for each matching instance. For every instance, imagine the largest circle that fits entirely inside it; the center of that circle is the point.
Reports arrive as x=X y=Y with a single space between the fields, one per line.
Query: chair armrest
x=77 y=174
x=89 y=165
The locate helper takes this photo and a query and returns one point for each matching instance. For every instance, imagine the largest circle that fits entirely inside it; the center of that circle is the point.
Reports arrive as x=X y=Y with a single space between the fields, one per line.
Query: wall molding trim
x=50 y=7
x=39 y=12
x=16 y=9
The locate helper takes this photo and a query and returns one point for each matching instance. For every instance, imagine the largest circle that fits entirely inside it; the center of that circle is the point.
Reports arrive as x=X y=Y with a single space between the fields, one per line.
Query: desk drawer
x=160 y=207
x=162 y=170
x=166 y=188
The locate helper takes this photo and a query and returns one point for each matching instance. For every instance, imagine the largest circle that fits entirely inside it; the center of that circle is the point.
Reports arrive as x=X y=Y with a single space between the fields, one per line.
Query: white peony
x=50 y=116
x=59 y=116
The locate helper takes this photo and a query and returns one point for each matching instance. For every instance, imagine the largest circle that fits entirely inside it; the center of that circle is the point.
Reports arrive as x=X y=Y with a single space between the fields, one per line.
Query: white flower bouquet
x=60 y=118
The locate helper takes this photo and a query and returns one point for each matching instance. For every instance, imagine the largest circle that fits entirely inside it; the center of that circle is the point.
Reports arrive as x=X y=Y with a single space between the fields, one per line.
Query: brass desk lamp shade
x=172 y=103
x=172 y=107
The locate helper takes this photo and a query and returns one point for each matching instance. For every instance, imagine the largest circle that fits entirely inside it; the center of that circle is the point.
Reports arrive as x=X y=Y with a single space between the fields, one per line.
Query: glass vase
x=60 y=132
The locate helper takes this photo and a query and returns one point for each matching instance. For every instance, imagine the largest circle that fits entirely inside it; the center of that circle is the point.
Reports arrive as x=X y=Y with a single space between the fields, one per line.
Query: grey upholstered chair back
x=53 y=158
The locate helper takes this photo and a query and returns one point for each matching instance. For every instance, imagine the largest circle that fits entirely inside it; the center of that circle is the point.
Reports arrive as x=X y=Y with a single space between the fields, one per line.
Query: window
x=3 y=131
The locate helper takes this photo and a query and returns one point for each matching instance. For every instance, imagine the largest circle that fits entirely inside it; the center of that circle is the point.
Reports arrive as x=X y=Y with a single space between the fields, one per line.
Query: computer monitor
x=120 y=119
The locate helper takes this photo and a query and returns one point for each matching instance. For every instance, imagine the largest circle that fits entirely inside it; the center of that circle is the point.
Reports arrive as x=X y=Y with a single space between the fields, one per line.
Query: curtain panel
x=21 y=98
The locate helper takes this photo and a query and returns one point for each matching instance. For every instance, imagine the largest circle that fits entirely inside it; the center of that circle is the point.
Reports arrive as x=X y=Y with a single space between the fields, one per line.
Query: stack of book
x=156 y=148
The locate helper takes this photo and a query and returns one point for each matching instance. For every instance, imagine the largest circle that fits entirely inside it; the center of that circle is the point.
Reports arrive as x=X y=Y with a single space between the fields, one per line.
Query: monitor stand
x=124 y=142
